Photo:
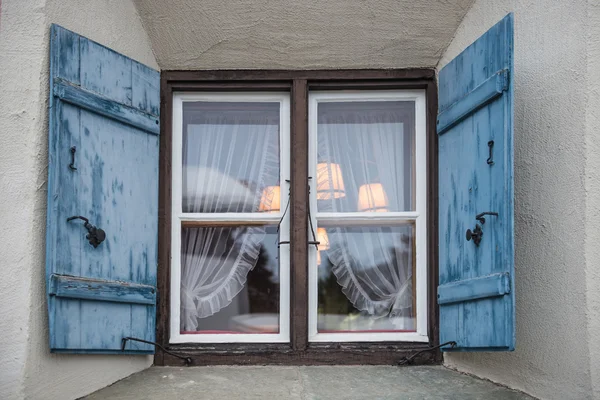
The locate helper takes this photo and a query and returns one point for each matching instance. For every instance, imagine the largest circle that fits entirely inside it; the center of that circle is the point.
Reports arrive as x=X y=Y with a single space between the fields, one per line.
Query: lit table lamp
x=330 y=184
x=270 y=200
x=323 y=240
x=372 y=197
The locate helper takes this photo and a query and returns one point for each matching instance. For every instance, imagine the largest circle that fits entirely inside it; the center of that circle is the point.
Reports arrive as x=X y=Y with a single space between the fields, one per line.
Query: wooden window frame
x=416 y=216
x=299 y=351
x=180 y=218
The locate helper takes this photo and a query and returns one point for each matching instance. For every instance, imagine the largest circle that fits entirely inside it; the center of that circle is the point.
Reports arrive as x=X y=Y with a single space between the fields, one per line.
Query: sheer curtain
x=373 y=265
x=227 y=161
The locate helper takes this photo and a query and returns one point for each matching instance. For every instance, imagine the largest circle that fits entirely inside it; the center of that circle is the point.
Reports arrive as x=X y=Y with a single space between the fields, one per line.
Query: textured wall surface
x=249 y=34
x=592 y=180
x=556 y=224
x=27 y=369
x=557 y=103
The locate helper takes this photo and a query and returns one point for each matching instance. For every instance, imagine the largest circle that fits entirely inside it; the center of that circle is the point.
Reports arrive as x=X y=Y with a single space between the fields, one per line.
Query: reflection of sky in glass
x=269 y=252
x=372 y=142
x=230 y=152
x=232 y=158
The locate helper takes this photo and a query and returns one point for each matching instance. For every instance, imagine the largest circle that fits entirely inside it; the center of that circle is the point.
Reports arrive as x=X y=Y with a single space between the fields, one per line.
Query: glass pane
x=366 y=279
x=230 y=156
x=230 y=279
x=365 y=156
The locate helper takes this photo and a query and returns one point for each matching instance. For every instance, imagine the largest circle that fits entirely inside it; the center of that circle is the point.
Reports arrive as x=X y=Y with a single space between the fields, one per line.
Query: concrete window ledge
x=317 y=382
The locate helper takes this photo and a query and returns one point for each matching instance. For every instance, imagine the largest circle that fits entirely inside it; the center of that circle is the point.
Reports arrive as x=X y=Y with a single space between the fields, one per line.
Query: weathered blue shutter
x=475 y=127
x=103 y=166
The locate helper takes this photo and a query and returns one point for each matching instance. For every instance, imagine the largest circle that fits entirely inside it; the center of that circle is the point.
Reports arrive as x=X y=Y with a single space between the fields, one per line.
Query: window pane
x=230 y=279
x=230 y=156
x=365 y=156
x=365 y=279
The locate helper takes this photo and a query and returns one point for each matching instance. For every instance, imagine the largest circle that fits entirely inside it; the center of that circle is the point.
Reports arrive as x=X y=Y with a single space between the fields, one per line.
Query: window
x=367 y=276
x=231 y=257
x=230 y=277
x=304 y=200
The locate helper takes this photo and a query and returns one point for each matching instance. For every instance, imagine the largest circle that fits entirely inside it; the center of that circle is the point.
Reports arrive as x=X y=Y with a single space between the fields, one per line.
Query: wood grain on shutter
x=104 y=106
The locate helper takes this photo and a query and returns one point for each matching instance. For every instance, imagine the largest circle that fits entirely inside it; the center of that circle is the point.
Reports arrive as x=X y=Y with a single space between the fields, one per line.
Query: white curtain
x=227 y=161
x=373 y=265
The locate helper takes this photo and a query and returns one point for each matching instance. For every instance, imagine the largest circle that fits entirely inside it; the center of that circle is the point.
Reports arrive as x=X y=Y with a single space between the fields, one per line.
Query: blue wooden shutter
x=103 y=166
x=475 y=135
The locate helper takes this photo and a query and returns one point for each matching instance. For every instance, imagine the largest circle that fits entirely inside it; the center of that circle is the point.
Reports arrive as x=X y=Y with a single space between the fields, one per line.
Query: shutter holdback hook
x=477 y=233
x=479 y=217
x=95 y=235
x=187 y=360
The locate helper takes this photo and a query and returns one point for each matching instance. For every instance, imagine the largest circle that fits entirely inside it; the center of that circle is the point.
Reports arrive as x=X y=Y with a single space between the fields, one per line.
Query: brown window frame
x=299 y=351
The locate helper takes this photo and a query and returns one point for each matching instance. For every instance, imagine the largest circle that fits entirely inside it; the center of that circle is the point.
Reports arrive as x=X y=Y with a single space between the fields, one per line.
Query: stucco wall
x=592 y=181
x=300 y=34
x=27 y=369
x=557 y=170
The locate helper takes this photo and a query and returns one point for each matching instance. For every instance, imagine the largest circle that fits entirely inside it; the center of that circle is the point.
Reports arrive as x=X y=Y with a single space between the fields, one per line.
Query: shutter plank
x=105 y=71
x=473 y=289
x=483 y=94
x=103 y=106
x=146 y=90
x=75 y=287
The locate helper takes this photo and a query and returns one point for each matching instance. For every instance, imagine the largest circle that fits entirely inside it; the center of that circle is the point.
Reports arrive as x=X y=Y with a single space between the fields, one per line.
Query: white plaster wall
x=27 y=369
x=592 y=180
x=557 y=197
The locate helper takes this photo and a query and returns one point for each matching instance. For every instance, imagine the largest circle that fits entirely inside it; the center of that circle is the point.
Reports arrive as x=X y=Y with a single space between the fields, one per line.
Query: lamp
x=270 y=200
x=323 y=240
x=372 y=197
x=330 y=184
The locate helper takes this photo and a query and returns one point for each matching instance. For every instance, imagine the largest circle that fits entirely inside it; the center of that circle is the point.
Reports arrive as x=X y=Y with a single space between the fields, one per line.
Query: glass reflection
x=365 y=280
x=230 y=280
x=365 y=156
x=230 y=154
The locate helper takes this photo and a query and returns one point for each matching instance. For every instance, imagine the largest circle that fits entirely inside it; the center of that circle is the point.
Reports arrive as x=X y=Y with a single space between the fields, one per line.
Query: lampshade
x=330 y=184
x=323 y=239
x=372 y=197
x=270 y=200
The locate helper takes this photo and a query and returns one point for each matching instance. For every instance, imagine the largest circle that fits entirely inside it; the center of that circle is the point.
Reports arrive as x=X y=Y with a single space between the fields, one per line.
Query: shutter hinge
x=503 y=80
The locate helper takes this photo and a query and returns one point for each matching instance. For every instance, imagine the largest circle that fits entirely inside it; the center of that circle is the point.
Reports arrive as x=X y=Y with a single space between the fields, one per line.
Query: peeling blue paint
x=474 y=108
x=91 y=107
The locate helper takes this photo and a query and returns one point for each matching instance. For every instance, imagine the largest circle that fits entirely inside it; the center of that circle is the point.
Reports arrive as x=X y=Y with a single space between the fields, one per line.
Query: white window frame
x=419 y=216
x=177 y=216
